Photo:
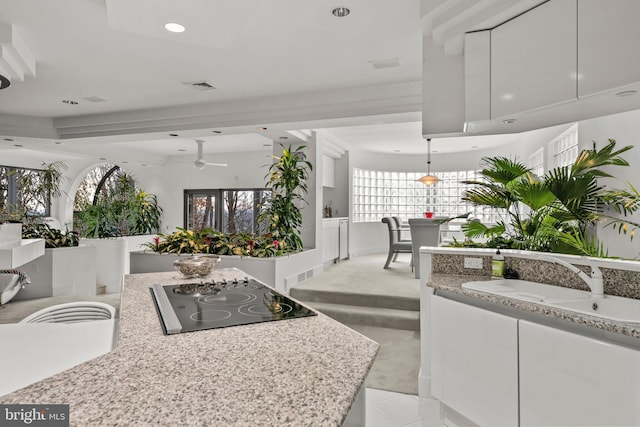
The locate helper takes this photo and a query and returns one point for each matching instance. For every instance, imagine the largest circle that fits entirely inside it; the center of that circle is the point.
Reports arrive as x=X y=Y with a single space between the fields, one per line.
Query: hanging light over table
x=429 y=179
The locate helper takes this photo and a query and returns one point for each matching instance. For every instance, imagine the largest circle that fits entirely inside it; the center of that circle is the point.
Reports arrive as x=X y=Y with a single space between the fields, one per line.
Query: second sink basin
x=626 y=310
x=528 y=291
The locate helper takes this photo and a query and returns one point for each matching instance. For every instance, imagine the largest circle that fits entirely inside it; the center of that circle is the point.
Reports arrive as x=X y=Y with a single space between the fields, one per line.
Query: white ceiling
x=266 y=59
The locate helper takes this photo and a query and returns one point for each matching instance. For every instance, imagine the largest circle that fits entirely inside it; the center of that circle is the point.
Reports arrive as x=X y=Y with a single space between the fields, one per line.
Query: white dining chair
x=72 y=312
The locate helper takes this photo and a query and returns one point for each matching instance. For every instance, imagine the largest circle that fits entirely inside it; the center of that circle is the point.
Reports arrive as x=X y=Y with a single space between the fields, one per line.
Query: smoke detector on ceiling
x=201 y=85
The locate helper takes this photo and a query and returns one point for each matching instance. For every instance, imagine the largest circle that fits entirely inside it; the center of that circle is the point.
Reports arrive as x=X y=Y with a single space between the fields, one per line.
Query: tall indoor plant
x=287 y=180
x=558 y=211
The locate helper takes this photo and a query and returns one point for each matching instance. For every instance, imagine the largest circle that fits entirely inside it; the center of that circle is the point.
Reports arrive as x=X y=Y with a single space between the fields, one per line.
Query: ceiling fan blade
x=200 y=143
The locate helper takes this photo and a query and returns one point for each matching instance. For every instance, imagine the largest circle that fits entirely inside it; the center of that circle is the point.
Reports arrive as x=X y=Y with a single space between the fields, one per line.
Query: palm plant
x=557 y=212
x=287 y=180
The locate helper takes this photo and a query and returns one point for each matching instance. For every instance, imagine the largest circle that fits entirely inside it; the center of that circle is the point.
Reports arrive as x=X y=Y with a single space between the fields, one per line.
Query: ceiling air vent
x=202 y=85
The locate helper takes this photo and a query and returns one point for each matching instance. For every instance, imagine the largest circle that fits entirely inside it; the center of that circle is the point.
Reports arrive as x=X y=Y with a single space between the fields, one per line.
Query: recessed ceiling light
x=340 y=11
x=103 y=158
x=262 y=128
x=509 y=121
x=626 y=93
x=474 y=146
x=284 y=137
x=396 y=151
x=58 y=142
x=124 y=161
x=18 y=145
x=216 y=131
x=8 y=139
x=69 y=102
x=173 y=134
x=266 y=145
x=143 y=164
x=174 y=27
x=181 y=149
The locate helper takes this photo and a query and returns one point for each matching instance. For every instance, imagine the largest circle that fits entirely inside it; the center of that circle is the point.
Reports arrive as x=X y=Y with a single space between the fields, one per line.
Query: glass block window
x=565 y=147
x=377 y=194
x=536 y=162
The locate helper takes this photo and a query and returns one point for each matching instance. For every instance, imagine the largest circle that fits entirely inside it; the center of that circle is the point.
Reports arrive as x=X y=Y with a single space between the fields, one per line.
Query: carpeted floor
x=398 y=361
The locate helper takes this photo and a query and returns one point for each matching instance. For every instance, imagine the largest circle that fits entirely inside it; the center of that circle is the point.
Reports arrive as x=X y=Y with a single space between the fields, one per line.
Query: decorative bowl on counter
x=199 y=265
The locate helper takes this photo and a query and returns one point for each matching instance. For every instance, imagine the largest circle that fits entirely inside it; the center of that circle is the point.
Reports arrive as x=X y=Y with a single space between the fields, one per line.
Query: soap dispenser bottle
x=497 y=265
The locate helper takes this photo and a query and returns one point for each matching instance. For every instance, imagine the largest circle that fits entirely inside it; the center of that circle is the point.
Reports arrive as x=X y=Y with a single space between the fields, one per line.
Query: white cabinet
x=474 y=362
x=343 y=253
x=533 y=59
x=330 y=240
x=608 y=34
x=328 y=171
x=335 y=239
x=571 y=380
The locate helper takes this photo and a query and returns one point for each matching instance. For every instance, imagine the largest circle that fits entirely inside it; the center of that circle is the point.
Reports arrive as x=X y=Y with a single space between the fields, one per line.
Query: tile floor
x=389 y=409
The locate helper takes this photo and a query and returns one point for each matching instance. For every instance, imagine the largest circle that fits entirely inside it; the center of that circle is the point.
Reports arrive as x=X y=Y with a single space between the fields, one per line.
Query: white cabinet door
x=533 y=59
x=328 y=171
x=474 y=362
x=571 y=380
x=330 y=240
x=608 y=55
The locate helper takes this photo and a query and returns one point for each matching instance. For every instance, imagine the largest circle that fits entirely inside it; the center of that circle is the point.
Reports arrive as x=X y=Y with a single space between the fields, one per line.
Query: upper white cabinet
x=533 y=59
x=328 y=171
x=608 y=35
x=571 y=380
x=474 y=362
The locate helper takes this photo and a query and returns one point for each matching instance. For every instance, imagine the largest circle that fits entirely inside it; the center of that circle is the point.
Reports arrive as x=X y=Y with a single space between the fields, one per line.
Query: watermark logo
x=34 y=415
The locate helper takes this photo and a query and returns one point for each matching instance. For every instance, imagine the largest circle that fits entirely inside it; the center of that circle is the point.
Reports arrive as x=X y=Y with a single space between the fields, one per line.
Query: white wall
x=625 y=129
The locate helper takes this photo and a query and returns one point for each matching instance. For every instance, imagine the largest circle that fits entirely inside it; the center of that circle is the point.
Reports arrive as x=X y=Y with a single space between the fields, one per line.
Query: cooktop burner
x=208 y=305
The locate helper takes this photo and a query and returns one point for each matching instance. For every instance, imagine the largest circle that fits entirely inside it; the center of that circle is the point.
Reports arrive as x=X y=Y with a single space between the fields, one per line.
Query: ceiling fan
x=200 y=163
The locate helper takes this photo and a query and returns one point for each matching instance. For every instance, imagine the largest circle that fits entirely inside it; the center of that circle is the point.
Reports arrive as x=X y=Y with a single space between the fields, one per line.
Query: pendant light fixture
x=429 y=179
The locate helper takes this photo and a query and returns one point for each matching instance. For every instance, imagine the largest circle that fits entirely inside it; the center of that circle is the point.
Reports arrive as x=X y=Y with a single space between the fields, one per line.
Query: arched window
x=99 y=181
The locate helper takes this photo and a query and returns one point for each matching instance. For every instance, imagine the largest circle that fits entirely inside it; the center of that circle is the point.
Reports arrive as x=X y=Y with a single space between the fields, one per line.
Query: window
x=101 y=180
x=229 y=211
x=565 y=147
x=536 y=162
x=377 y=194
x=15 y=194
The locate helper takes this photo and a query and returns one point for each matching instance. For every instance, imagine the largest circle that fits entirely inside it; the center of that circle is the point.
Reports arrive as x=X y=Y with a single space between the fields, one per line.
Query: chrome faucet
x=594 y=281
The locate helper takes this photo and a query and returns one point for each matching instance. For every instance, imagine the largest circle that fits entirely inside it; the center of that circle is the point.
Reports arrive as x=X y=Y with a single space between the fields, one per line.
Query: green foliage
x=558 y=211
x=53 y=237
x=209 y=241
x=287 y=180
x=123 y=212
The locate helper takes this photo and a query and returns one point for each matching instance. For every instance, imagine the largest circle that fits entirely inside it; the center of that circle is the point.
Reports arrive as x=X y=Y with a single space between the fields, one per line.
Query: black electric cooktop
x=209 y=305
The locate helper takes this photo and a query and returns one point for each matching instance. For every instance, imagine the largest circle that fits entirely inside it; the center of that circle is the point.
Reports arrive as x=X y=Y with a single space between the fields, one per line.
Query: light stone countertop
x=295 y=372
x=453 y=284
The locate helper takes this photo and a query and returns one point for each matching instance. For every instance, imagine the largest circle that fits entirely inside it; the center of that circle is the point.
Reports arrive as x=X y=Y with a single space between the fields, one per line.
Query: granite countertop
x=453 y=283
x=296 y=372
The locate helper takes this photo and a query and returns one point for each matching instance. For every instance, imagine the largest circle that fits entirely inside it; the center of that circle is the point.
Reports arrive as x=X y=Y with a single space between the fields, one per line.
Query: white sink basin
x=527 y=291
x=619 y=309
x=626 y=310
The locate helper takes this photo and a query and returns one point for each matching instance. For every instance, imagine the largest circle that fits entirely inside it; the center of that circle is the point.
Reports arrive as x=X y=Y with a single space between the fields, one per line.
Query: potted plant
x=52 y=274
x=558 y=211
x=120 y=221
x=287 y=181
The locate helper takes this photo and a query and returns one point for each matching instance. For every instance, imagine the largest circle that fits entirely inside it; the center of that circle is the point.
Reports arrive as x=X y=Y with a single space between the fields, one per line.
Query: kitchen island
x=295 y=372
